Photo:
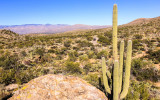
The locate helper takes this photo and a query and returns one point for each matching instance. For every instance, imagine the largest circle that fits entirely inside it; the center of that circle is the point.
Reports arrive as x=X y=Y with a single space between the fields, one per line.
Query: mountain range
x=48 y=28
x=60 y=28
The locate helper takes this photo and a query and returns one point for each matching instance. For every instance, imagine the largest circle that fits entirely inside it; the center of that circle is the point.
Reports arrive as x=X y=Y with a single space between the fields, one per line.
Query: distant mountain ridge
x=143 y=21
x=48 y=28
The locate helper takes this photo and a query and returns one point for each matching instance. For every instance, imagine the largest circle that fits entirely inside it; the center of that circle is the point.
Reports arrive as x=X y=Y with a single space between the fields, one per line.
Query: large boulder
x=58 y=87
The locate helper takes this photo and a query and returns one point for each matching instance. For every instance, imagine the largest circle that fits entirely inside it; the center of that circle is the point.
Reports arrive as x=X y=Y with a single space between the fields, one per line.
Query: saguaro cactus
x=114 y=36
x=118 y=92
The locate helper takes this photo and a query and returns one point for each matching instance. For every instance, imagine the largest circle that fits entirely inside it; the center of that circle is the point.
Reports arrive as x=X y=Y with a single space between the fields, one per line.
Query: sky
x=90 y=12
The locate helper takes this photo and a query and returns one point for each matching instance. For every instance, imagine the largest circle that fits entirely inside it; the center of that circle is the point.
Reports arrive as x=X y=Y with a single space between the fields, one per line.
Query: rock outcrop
x=58 y=87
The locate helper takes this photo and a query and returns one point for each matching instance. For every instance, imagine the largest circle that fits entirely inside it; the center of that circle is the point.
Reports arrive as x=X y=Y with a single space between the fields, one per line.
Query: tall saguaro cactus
x=118 y=91
x=114 y=36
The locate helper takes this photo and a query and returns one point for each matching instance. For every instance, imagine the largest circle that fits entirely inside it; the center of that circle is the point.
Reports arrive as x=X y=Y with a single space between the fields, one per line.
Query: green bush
x=20 y=76
x=87 y=68
x=138 y=91
x=144 y=71
x=137 y=44
x=7 y=76
x=72 y=67
x=138 y=36
x=51 y=51
x=90 y=54
x=72 y=55
x=108 y=34
x=103 y=53
x=58 y=40
x=89 y=38
x=83 y=57
x=154 y=55
x=40 y=51
x=8 y=61
x=84 y=43
x=23 y=53
x=92 y=79
x=148 y=42
x=104 y=40
x=67 y=43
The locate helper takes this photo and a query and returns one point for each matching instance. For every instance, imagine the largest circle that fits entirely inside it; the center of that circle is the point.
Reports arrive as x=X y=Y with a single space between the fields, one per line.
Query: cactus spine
x=118 y=92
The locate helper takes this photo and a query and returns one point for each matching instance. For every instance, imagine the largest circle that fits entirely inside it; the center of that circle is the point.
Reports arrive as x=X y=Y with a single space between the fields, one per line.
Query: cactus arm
x=114 y=36
x=105 y=80
x=121 y=65
x=108 y=74
x=127 y=70
x=115 y=80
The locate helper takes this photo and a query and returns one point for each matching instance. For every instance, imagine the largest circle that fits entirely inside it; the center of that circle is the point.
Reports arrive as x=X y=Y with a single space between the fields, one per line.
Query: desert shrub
x=27 y=38
x=158 y=44
x=92 y=79
x=58 y=40
x=20 y=45
x=153 y=40
x=63 y=50
x=28 y=44
x=76 y=48
x=104 y=40
x=7 y=76
x=51 y=51
x=96 y=68
x=23 y=53
x=90 y=54
x=108 y=34
x=40 y=51
x=154 y=55
x=67 y=43
x=72 y=55
x=72 y=67
x=83 y=57
x=103 y=53
x=137 y=44
x=12 y=71
x=1 y=51
x=138 y=91
x=8 y=61
x=46 y=58
x=1 y=47
x=148 y=42
x=84 y=43
x=59 y=57
x=25 y=76
x=20 y=76
x=89 y=38
x=54 y=47
x=28 y=62
x=144 y=71
x=138 y=36
x=87 y=68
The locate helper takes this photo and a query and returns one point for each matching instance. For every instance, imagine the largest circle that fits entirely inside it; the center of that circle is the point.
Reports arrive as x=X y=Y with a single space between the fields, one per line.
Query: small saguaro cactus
x=119 y=91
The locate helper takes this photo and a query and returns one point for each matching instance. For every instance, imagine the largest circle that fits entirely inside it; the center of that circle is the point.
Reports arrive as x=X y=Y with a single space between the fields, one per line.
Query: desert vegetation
x=78 y=53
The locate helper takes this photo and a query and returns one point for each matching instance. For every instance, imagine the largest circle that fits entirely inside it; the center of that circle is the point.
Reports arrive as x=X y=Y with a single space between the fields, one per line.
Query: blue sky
x=91 y=12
